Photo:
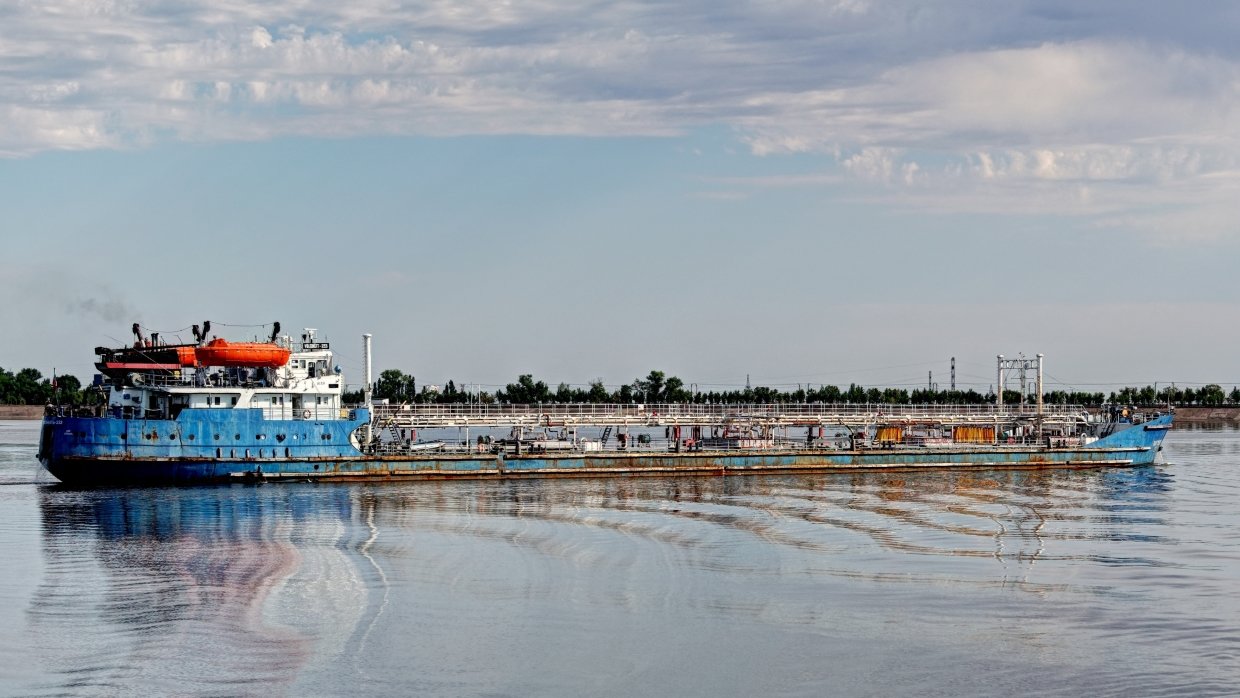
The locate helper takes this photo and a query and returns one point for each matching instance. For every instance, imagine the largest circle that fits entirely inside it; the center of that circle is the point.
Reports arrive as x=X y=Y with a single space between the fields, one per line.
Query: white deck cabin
x=309 y=387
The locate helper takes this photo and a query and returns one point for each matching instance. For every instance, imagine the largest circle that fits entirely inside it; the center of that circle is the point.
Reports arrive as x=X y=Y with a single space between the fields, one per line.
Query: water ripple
x=1110 y=581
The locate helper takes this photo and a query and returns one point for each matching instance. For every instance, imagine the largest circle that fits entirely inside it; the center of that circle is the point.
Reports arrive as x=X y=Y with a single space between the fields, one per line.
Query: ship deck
x=431 y=416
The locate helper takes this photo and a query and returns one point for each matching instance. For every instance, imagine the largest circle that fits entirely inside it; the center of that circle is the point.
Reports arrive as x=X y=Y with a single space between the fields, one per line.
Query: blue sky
x=801 y=192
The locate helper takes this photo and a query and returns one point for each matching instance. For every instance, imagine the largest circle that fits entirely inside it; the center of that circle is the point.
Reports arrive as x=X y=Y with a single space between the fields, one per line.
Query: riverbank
x=1207 y=415
x=21 y=411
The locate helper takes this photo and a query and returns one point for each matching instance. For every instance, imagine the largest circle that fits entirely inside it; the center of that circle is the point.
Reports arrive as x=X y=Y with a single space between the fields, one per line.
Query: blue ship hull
x=229 y=445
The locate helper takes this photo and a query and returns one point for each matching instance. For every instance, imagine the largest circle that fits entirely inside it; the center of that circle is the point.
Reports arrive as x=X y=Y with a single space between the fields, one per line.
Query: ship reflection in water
x=178 y=588
x=729 y=586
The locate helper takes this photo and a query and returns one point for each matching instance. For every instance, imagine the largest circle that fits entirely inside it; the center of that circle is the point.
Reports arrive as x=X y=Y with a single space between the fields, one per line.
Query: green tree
x=68 y=390
x=1211 y=394
x=674 y=390
x=624 y=394
x=30 y=388
x=650 y=388
x=395 y=386
x=598 y=392
x=525 y=391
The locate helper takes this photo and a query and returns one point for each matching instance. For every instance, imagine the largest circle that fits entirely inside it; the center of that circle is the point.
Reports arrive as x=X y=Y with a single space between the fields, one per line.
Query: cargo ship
x=220 y=411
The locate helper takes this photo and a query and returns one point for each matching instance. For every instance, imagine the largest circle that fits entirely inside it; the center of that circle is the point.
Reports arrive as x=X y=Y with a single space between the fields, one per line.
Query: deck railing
x=693 y=413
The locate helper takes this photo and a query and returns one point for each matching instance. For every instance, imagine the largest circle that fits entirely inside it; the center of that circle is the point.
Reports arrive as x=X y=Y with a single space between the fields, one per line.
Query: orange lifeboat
x=186 y=356
x=220 y=352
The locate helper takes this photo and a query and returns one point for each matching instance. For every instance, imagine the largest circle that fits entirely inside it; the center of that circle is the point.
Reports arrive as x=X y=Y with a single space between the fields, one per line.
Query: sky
x=798 y=192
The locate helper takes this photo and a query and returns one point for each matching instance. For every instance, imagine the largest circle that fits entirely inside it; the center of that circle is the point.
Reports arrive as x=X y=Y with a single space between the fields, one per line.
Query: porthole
x=190 y=437
x=237 y=437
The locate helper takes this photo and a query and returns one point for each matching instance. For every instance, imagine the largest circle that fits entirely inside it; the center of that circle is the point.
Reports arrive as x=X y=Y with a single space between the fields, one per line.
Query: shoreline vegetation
x=657 y=387
x=29 y=387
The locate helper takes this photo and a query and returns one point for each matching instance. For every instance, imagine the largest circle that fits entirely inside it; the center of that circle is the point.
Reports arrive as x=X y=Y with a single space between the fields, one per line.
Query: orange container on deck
x=973 y=435
x=220 y=352
x=890 y=434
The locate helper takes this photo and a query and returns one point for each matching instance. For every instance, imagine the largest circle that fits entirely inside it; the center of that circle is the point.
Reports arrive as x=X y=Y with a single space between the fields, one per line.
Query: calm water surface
x=1056 y=583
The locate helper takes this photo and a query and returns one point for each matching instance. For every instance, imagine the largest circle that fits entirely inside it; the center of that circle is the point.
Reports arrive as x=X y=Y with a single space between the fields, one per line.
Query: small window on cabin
x=318 y=400
x=234 y=401
x=217 y=399
x=273 y=400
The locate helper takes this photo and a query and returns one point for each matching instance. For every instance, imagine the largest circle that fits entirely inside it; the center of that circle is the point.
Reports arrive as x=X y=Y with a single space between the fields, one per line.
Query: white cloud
x=952 y=103
x=69 y=129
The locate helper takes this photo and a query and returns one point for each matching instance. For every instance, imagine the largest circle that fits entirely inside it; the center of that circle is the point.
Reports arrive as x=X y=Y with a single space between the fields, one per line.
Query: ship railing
x=552 y=414
x=217 y=380
x=311 y=413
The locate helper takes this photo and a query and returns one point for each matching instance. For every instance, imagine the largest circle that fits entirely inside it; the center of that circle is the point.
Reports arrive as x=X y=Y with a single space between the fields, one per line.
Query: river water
x=979 y=583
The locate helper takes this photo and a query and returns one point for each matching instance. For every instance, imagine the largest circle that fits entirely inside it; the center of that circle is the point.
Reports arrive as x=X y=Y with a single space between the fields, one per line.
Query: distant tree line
x=29 y=387
x=657 y=387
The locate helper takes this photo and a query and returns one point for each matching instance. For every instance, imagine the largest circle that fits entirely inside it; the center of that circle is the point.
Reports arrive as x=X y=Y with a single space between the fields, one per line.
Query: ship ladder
x=606 y=434
x=395 y=432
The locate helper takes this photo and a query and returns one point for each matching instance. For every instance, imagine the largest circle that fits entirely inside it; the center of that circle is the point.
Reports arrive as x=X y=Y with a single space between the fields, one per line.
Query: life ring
x=305 y=414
